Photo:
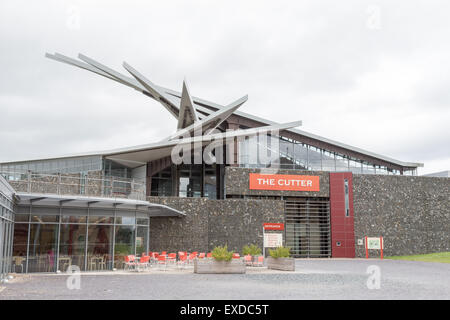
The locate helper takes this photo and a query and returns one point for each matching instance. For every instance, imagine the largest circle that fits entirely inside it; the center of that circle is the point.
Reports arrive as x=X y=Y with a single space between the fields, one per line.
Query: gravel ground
x=313 y=279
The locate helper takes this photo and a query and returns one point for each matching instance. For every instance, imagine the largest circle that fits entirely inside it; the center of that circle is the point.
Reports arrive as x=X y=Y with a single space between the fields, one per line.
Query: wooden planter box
x=213 y=266
x=285 y=264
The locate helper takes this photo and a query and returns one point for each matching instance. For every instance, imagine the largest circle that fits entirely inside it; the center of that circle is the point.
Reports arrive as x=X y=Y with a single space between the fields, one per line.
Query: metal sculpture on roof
x=190 y=115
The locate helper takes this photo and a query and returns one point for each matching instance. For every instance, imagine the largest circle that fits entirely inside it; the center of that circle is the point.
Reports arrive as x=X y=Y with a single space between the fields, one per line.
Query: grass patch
x=443 y=257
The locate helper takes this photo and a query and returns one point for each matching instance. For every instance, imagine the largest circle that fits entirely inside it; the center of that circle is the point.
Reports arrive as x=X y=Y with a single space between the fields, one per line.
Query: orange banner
x=285 y=182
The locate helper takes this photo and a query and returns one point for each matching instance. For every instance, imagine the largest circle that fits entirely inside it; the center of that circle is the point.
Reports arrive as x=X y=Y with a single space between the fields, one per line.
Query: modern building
x=6 y=227
x=218 y=179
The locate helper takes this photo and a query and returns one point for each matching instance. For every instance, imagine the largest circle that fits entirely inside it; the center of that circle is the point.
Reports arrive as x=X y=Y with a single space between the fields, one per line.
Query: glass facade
x=50 y=239
x=187 y=181
x=65 y=165
x=6 y=229
x=297 y=155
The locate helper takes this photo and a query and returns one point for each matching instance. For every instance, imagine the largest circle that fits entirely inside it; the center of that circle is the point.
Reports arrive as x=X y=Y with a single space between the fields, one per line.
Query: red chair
x=259 y=262
x=201 y=255
x=209 y=255
x=182 y=260
x=191 y=258
x=154 y=257
x=172 y=258
x=130 y=261
x=248 y=260
x=164 y=253
x=162 y=261
x=144 y=262
x=236 y=255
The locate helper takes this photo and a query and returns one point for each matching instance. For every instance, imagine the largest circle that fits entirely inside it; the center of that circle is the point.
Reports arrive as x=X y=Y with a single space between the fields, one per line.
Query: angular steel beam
x=187 y=115
x=210 y=122
x=152 y=88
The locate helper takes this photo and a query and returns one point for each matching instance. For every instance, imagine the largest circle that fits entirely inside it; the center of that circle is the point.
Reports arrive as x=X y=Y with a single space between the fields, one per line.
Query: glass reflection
x=86 y=245
x=125 y=244
x=72 y=246
x=42 y=251
x=141 y=240
x=100 y=247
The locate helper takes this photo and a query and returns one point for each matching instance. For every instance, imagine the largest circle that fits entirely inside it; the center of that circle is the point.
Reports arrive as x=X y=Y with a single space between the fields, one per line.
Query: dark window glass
x=99 y=216
x=72 y=246
x=73 y=219
x=43 y=243
x=20 y=239
x=43 y=219
x=22 y=218
x=190 y=181
x=44 y=214
x=346 y=195
x=100 y=247
x=125 y=217
x=125 y=244
x=74 y=215
x=161 y=183
x=142 y=219
x=141 y=240
x=210 y=187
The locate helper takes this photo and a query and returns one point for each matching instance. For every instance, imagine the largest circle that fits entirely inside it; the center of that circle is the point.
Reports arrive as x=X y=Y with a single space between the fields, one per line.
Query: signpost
x=272 y=239
x=374 y=243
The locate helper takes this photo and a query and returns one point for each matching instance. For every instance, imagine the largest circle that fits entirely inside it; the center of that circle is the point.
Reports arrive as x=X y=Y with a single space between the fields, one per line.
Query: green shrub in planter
x=280 y=252
x=222 y=254
x=252 y=250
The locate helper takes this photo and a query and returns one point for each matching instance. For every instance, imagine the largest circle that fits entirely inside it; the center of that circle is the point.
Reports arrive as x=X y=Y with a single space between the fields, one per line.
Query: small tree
x=222 y=254
x=252 y=250
x=280 y=252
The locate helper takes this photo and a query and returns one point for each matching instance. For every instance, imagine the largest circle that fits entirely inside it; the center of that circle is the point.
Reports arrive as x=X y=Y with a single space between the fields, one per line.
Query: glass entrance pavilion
x=52 y=233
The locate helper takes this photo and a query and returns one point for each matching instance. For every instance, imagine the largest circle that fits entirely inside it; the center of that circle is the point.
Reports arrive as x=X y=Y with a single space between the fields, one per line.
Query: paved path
x=314 y=279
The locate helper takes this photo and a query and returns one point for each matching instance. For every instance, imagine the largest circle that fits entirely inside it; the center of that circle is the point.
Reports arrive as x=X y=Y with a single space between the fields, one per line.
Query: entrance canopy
x=153 y=209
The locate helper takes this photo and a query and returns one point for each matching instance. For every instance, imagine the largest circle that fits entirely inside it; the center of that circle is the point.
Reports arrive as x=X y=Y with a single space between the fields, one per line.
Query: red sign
x=273 y=226
x=288 y=182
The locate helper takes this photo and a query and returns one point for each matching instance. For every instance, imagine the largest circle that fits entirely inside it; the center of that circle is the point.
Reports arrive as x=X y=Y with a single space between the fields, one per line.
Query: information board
x=273 y=240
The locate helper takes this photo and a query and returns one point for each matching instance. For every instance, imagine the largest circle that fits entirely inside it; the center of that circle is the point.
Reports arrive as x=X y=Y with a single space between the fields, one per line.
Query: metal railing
x=85 y=184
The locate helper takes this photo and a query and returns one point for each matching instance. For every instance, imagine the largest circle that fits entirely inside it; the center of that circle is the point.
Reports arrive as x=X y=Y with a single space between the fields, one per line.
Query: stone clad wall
x=411 y=213
x=237 y=183
x=209 y=223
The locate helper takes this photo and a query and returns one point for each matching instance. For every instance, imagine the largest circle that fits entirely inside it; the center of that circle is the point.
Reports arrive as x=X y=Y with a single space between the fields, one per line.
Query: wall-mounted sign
x=285 y=182
x=273 y=240
x=273 y=226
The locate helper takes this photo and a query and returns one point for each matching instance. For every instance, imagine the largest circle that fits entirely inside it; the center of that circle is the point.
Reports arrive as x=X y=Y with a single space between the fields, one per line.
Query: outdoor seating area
x=155 y=260
x=180 y=260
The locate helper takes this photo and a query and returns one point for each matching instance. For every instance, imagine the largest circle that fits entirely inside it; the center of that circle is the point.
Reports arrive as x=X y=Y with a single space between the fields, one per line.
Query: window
x=346 y=195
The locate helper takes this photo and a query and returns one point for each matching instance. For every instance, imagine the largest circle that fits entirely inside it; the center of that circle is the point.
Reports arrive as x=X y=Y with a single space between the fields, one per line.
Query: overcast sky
x=372 y=74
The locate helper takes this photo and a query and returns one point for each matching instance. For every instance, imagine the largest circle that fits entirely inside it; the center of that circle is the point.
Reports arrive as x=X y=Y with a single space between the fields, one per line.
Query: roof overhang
x=140 y=155
x=153 y=209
